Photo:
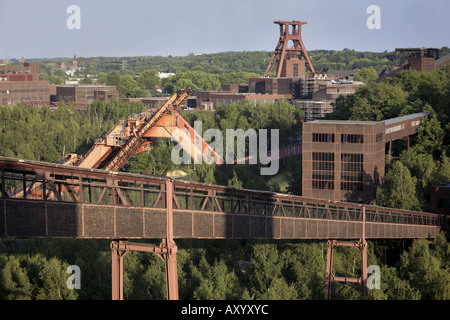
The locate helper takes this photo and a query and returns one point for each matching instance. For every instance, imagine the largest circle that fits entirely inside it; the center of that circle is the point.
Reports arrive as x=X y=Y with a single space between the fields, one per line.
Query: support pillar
x=329 y=273
x=166 y=250
x=117 y=270
x=170 y=260
x=362 y=246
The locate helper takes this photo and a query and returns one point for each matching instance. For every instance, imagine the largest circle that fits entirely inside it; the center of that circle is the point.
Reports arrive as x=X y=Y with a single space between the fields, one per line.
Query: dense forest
x=238 y=269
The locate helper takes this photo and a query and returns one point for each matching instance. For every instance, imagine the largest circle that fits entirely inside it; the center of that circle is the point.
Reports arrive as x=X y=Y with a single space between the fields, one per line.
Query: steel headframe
x=289 y=31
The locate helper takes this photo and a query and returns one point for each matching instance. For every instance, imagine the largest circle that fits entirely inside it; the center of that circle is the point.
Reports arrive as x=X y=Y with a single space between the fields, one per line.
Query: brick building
x=345 y=160
x=82 y=95
x=209 y=100
x=21 y=84
x=440 y=198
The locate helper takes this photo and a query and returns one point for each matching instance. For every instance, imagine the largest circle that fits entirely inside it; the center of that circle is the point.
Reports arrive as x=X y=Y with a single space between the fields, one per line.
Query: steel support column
x=170 y=257
x=117 y=270
x=166 y=251
x=362 y=246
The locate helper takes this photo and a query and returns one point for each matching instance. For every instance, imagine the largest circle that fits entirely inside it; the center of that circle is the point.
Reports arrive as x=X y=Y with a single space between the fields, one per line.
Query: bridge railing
x=50 y=182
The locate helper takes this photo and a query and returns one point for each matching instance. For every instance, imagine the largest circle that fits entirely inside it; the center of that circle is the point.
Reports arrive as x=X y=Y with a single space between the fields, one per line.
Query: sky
x=38 y=28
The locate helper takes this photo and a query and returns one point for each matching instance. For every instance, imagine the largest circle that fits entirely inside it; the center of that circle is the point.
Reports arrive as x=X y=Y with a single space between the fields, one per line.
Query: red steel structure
x=61 y=201
x=134 y=136
x=289 y=51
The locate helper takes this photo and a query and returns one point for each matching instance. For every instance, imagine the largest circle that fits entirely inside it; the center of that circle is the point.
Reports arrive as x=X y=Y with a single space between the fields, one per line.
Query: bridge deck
x=41 y=200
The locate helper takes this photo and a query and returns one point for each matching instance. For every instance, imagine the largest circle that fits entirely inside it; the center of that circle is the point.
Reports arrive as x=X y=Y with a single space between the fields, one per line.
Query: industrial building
x=424 y=60
x=345 y=160
x=21 y=84
x=314 y=92
x=155 y=103
x=83 y=95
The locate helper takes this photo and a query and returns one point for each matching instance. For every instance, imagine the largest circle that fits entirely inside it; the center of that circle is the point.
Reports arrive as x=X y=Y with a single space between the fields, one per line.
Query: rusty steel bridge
x=44 y=200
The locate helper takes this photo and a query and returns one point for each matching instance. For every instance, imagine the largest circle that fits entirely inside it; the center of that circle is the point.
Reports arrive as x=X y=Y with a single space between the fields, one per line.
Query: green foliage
x=26 y=278
x=399 y=189
x=149 y=79
x=40 y=134
x=234 y=181
x=366 y=75
x=232 y=269
x=430 y=137
x=393 y=287
x=423 y=269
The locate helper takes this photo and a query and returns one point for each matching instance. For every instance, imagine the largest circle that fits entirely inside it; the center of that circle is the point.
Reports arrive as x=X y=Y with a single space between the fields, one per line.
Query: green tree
x=113 y=79
x=366 y=75
x=423 y=269
x=218 y=283
x=234 y=181
x=430 y=136
x=399 y=189
x=393 y=288
x=149 y=79
x=129 y=88
x=53 y=282
x=14 y=281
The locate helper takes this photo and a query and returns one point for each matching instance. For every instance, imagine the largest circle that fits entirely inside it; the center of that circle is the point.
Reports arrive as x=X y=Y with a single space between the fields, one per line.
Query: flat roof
x=345 y=122
x=405 y=118
x=386 y=122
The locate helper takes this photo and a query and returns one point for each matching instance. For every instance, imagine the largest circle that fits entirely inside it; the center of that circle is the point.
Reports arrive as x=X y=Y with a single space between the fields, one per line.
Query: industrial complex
x=341 y=160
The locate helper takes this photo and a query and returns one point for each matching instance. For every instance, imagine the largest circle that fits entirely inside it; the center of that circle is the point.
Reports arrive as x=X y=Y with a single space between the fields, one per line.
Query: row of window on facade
x=352 y=173
x=25 y=90
x=329 y=185
x=345 y=157
x=345 y=137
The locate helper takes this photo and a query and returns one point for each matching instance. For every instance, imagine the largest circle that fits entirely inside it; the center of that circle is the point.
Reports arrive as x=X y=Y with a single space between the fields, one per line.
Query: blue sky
x=37 y=28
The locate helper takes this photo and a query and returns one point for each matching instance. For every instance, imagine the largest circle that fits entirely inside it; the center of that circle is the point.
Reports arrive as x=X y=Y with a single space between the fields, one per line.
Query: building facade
x=21 y=84
x=83 y=95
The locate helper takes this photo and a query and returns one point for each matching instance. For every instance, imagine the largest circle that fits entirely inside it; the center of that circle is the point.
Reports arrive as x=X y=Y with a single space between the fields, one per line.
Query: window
x=352 y=138
x=352 y=186
x=352 y=171
x=323 y=137
x=443 y=204
x=379 y=137
x=323 y=170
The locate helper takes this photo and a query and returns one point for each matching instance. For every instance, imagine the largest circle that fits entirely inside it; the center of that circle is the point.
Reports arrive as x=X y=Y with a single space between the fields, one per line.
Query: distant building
x=155 y=103
x=21 y=84
x=340 y=74
x=320 y=105
x=70 y=68
x=163 y=75
x=210 y=99
x=83 y=95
